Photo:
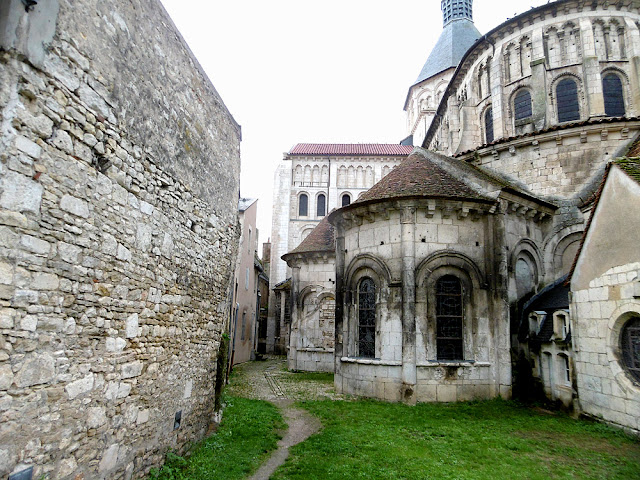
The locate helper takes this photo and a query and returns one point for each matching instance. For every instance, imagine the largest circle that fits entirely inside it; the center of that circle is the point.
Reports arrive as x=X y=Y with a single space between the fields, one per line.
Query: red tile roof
x=321 y=239
x=382 y=149
x=418 y=177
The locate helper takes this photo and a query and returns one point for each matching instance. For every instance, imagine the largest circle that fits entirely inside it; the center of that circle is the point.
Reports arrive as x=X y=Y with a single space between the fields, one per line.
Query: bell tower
x=456 y=9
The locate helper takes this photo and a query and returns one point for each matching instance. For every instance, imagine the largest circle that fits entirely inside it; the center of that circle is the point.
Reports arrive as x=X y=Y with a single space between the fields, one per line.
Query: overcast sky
x=305 y=71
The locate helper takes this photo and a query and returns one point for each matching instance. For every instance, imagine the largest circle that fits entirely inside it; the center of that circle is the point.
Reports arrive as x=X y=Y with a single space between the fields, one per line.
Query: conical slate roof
x=418 y=176
x=321 y=239
x=456 y=38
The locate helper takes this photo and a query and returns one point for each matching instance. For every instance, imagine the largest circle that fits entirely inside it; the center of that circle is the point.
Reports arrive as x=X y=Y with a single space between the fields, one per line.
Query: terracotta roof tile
x=381 y=149
x=321 y=239
x=416 y=176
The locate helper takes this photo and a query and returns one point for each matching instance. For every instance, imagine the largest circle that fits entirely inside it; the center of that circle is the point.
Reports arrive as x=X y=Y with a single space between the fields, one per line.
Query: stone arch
x=616 y=323
x=555 y=246
x=450 y=258
x=366 y=260
x=529 y=248
x=626 y=91
x=473 y=298
x=580 y=93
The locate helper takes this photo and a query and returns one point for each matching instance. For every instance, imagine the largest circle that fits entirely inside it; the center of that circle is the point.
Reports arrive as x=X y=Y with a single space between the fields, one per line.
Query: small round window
x=630 y=346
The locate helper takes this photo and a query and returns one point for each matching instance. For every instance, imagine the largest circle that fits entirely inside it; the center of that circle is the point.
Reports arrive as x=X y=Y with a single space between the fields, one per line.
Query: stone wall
x=312 y=335
x=119 y=174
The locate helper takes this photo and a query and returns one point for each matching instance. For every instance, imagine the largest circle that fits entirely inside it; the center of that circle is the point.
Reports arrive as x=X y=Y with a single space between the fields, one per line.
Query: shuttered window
x=613 y=98
x=567 y=100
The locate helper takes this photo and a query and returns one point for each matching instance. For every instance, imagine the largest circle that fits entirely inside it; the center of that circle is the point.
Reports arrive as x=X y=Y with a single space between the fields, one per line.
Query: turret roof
x=456 y=38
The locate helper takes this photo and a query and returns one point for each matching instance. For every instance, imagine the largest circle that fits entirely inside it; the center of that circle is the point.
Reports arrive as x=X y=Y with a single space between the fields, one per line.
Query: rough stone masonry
x=119 y=179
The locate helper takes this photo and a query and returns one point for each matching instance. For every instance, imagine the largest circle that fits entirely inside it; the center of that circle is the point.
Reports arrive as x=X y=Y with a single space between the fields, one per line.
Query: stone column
x=591 y=72
x=408 y=221
x=339 y=314
x=294 y=338
x=633 y=54
x=539 y=79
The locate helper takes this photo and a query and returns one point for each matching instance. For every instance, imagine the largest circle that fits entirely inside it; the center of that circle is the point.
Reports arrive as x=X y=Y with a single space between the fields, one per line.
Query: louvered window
x=303 y=205
x=449 y=316
x=367 y=318
x=567 y=100
x=613 y=98
x=630 y=346
x=522 y=105
x=488 y=125
x=321 y=205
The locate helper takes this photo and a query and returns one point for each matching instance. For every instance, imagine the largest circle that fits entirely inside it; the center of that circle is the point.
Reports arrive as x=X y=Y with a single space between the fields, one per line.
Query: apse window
x=613 y=97
x=567 y=100
x=449 y=318
x=522 y=107
x=367 y=318
x=630 y=346
x=488 y=125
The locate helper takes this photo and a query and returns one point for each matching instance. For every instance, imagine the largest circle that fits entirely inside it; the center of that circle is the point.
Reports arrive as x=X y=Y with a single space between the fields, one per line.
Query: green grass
x=248 y=433
x=481 y=440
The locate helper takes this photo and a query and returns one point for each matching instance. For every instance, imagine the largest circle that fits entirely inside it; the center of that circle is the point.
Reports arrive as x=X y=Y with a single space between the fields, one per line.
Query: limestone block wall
x=405 y=250
x=312 y=337
x=605 y=389
x=119 y=174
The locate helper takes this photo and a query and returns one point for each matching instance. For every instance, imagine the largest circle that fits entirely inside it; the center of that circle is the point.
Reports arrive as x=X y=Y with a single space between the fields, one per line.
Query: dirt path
x=269 y=380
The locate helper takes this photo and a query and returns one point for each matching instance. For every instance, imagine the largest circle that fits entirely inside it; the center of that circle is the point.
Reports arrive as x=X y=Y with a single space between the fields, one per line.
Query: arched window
x=449 y=316
x=522 y=105
x=367 y=318
x=488 y=125
x=567 y=100
x=613 y=98
x=630 y=346
x=321 y=205
x=346 y=200
x=303 y=205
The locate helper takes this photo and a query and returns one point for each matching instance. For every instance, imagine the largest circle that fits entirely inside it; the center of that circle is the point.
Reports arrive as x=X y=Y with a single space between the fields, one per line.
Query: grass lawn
x=249 y=432
x=482 y=440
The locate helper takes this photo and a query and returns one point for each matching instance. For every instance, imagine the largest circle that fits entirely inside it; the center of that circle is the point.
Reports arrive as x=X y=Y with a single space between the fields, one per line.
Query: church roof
x=386 y=149
x=321 y=239
x=456 y=38
x=420 y=176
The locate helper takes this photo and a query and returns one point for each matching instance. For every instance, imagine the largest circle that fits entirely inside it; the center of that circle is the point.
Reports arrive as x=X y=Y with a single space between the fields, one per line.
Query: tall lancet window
x=449 y=316
x=367 y=318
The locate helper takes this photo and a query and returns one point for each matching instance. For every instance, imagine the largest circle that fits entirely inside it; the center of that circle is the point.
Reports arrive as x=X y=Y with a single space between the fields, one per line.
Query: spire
x=456 y=9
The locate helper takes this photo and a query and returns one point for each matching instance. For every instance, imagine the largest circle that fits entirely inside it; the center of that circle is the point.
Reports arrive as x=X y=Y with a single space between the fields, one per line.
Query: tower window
x=567 y=100
x=303 y=205
x=346 y=200
x=321 y=205
x=613 y=98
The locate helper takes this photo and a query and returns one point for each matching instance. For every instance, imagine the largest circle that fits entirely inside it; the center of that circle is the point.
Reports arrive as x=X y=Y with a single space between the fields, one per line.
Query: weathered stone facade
x=606 y=300
x=119 y=177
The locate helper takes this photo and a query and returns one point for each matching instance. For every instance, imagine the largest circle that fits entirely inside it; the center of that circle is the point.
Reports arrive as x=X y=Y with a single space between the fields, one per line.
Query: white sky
x=305 y=71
